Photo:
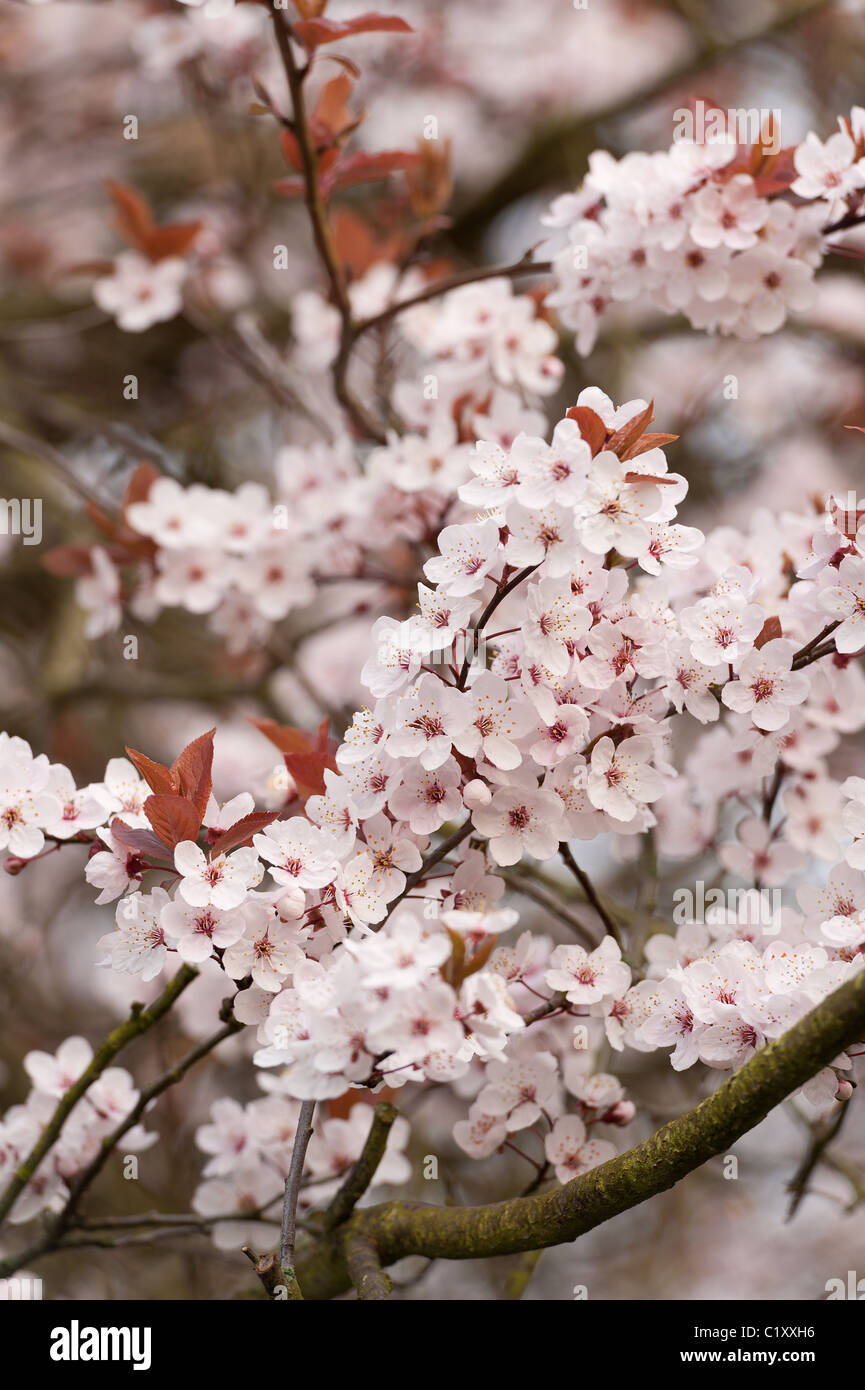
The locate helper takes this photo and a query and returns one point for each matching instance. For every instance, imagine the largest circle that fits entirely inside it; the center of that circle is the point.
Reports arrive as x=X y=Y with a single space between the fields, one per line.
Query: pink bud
x=845 y=1089
x=620 y=1114
x=476 y=794
x=290 y=904
x=13 y=865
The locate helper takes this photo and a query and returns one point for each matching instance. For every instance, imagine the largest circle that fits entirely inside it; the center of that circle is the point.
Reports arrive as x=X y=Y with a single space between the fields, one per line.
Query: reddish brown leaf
x=649 y=441
x=332 y=116
x=132 y=216
x=311 y=9
x=630 y=432
x=660 y=478
x=173 y=818
x=314 y=32
x=768 y=632
x=134 y=222
x=141 y=842
x=156 y=775
x=68 y=561
x=282 y=736
x=140 y=483
x=242 y=831
x=192 y=769
x=363 y=167
x=307 y=771
x=174 y=239
x=591 y=426
x=290 y=188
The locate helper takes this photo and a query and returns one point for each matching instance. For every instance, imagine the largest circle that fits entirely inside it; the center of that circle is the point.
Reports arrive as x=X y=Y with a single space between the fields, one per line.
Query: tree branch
x=292 y=1192
x=398 y=1229
x=589 y=889
x=362 y=1174
x=556 y=153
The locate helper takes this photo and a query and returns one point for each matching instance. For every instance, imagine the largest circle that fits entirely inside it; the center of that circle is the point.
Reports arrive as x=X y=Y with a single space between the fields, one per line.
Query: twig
x=292 y=1191
x=547 y=900
x=812 y=650
x=430 y=862
x=321 y=232
x=525 y=266
x=822 y=1135
x=267 y=1268
x=589 y=889
x=26 y=444
x=149 y=1093
x=500 y=594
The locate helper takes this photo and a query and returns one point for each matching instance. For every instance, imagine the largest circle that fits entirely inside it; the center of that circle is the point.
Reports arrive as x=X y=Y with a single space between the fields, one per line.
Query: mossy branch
x=397 y=1229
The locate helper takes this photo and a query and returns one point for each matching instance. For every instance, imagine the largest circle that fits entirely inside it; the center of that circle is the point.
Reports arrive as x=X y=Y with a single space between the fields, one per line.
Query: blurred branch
x=588 y=888
x=37 y=448
x=823 y=1132
x=550 y=902
x=552 y=155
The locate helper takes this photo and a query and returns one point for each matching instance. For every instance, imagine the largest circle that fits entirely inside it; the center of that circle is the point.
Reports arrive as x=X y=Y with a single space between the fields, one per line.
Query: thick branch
x=398 y=1229
x=364 y=1269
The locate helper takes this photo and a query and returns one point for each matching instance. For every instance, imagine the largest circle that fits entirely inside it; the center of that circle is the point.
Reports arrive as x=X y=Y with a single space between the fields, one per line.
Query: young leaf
x=314 y=32
x=630 y=432
x=173 y=818
x=242 y=831
x=768 y=632
x=648 y=441
x=283 y=736
x=192 y=770
x=141 y=842
x=156 y=775
x=591 y=426
x=307 y=770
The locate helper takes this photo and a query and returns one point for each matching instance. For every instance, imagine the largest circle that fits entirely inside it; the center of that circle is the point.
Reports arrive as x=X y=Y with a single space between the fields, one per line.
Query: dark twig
x=292 y=1192
x=589 y=889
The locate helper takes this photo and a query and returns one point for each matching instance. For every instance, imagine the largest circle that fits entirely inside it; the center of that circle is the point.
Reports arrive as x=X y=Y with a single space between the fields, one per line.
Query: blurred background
x=524 y=92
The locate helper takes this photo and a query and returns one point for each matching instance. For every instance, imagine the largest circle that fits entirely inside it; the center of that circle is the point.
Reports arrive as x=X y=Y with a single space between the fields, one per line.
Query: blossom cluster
x=474 y=363
x=249 y=1149
x=534 y=700
x=707 y=230
x=92 y=1119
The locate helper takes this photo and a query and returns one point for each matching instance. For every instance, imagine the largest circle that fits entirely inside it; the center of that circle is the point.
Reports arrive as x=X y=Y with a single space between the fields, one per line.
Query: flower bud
x=620 y=1114
x=476 y=794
